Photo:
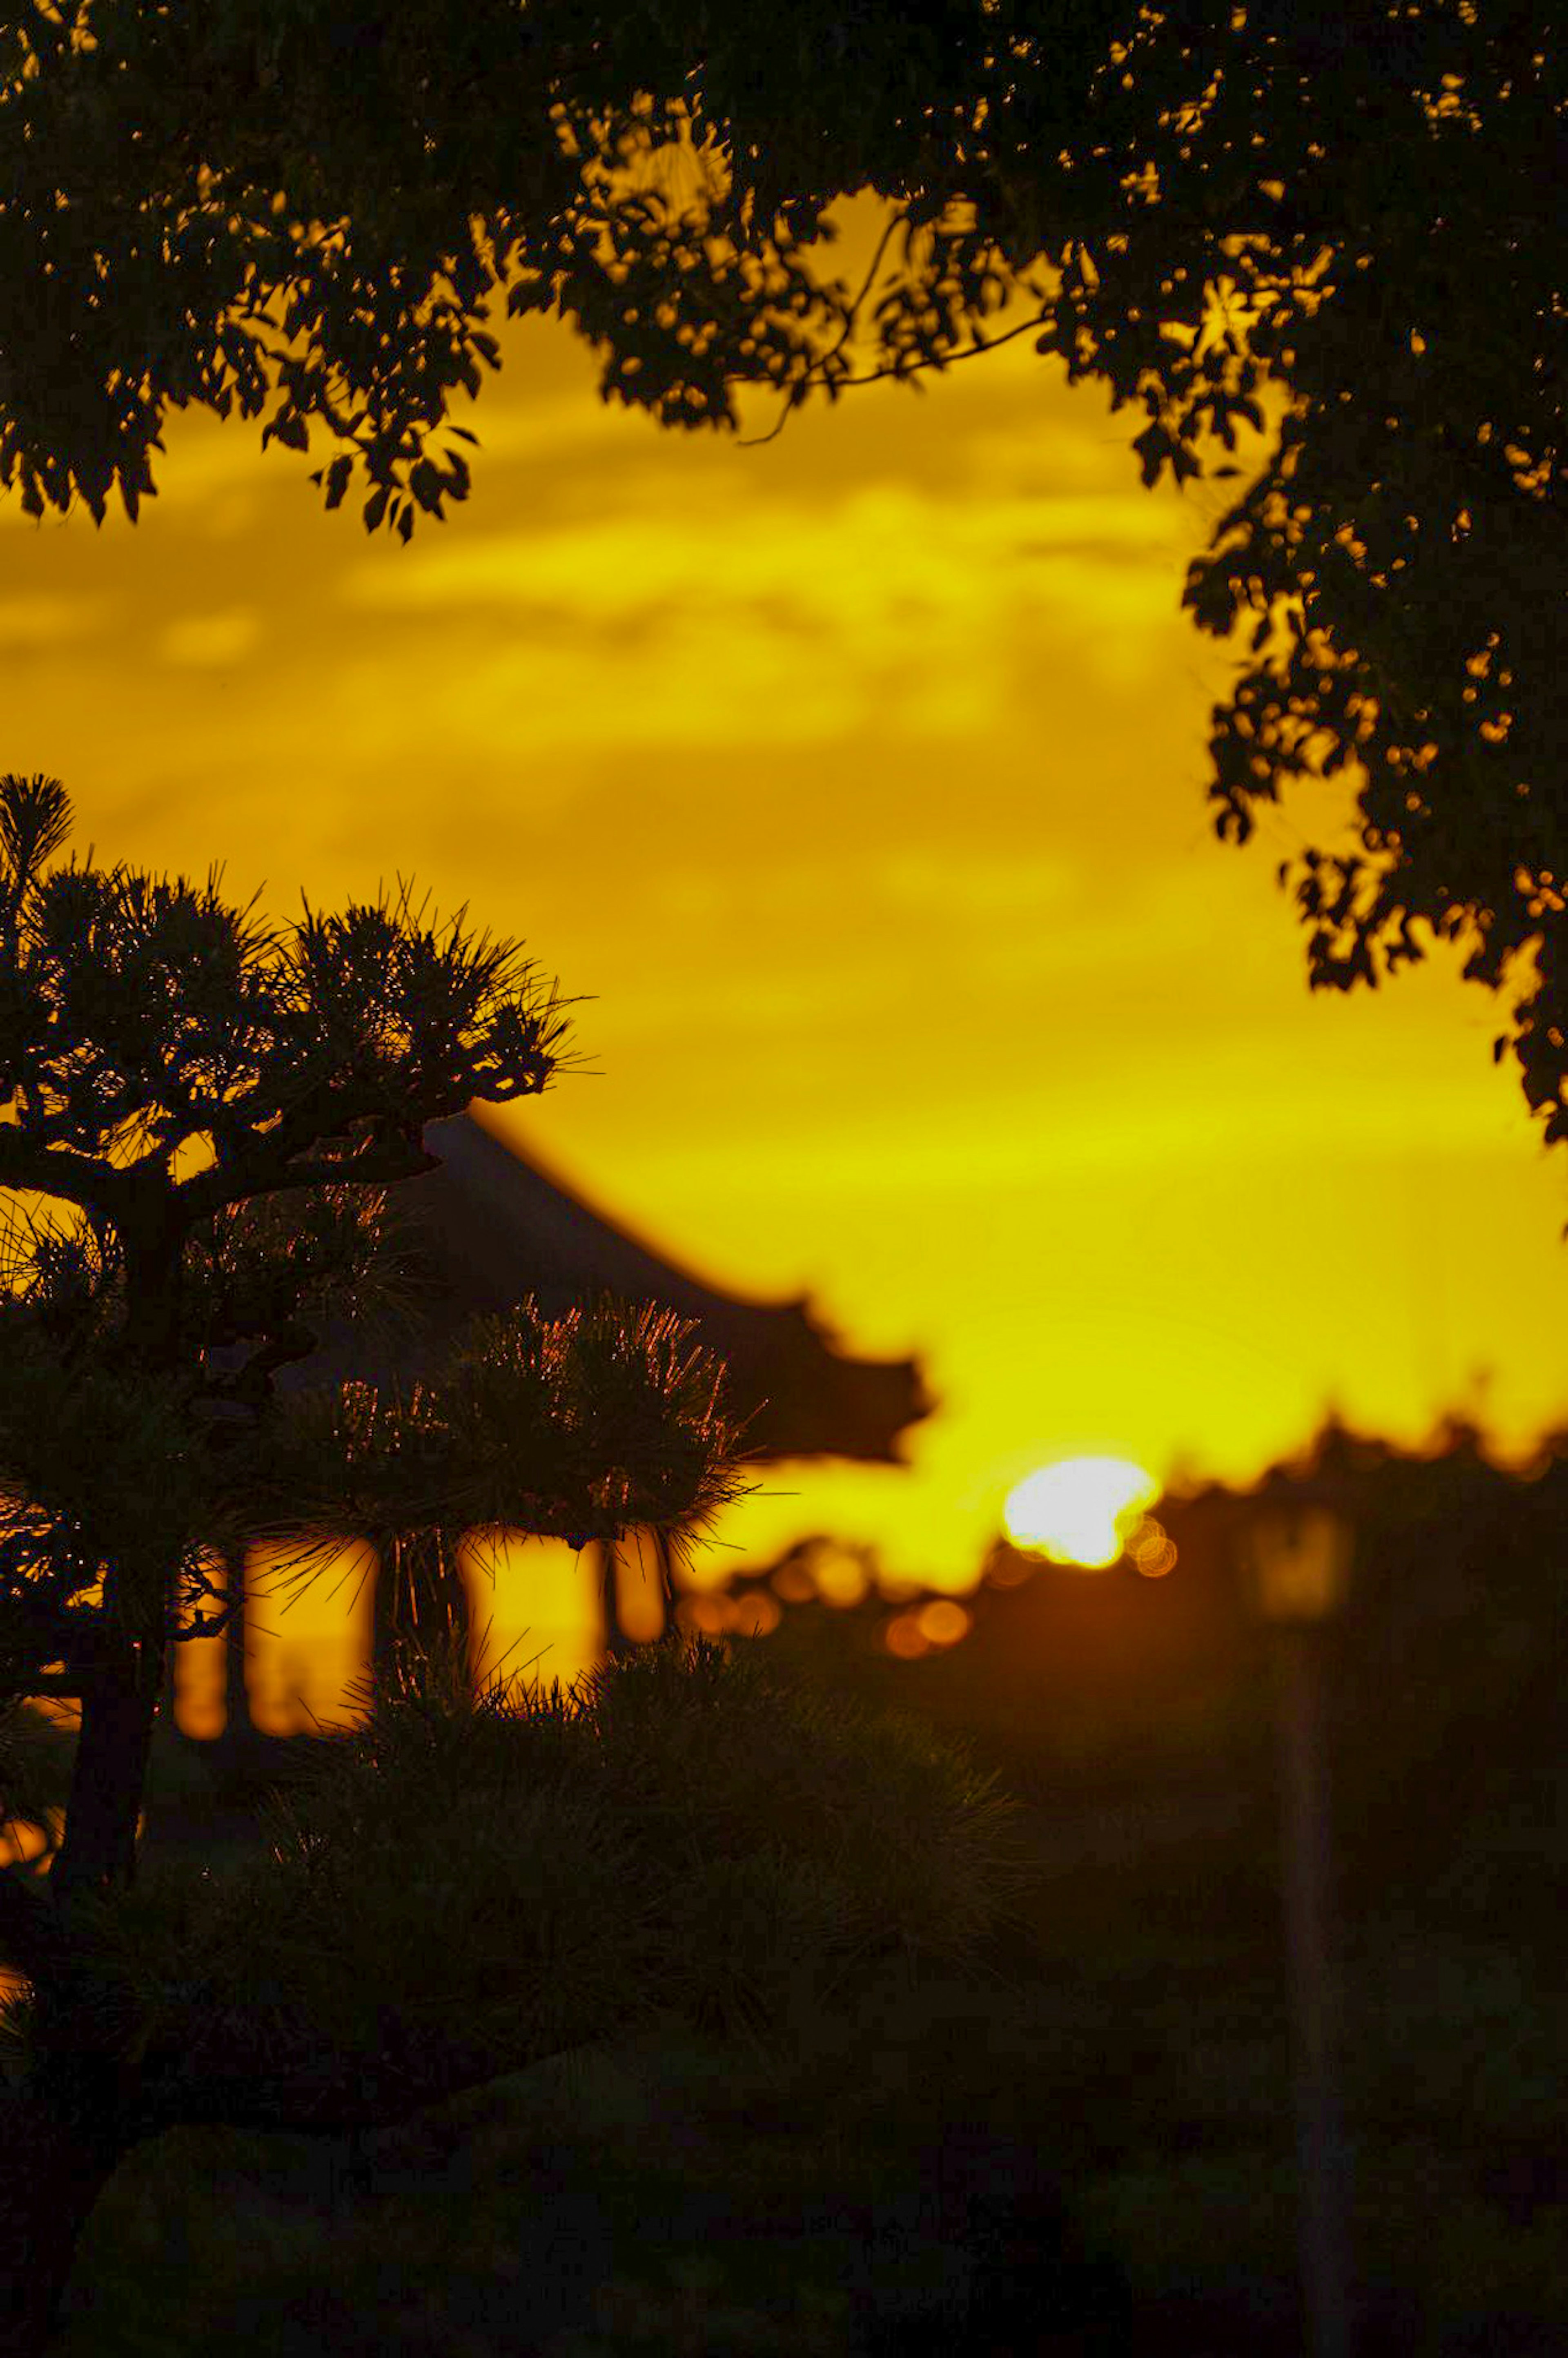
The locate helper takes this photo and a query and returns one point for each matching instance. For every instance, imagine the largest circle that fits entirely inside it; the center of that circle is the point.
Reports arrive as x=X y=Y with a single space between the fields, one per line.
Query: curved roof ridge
x=492 y=1226
x=481 y=1157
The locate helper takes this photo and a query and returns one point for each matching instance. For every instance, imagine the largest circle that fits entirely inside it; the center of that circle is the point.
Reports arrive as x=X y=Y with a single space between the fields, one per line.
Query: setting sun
x=1080 y=1509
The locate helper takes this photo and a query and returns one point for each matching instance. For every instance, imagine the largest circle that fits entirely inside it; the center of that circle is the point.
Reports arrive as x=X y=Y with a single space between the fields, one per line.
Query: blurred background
x=854 y=786
x=855 y=783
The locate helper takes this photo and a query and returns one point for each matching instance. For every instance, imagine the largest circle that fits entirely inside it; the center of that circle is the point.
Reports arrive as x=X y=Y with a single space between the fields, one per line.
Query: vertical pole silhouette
x=663 y=1564
x=239 y=1729
x=611 y=1566
x=420 y=1600
x=1315 y=1997
x=1297 y=1549
x=607 y=1569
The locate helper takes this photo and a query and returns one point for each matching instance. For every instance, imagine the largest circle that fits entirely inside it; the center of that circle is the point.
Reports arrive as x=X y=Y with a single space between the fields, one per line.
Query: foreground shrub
x=458 y=1886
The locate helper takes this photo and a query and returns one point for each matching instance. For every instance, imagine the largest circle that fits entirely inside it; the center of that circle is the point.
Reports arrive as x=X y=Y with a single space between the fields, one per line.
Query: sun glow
x=1079 y=1510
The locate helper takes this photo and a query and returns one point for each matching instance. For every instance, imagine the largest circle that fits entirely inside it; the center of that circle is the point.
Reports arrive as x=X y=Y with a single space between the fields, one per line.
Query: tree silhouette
x=215 y=1109
x=205 y=1118
x=1331 y=242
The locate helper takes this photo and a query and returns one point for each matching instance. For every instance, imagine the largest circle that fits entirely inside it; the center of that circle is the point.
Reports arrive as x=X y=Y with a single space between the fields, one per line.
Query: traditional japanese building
x=492 y=1226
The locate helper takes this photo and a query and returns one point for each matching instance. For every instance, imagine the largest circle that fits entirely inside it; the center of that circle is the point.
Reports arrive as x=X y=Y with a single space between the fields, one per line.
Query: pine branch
x=49 y=1170
x=578 y=1427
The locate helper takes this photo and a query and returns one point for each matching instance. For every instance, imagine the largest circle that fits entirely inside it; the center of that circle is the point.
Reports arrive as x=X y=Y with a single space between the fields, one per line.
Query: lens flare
x=1080 y=1509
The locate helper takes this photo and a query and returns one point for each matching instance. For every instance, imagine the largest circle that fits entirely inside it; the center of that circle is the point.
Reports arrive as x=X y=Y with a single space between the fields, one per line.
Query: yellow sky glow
x=856 y=782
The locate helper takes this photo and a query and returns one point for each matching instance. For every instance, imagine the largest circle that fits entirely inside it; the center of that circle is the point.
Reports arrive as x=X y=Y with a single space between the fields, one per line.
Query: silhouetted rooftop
x=493 y=1226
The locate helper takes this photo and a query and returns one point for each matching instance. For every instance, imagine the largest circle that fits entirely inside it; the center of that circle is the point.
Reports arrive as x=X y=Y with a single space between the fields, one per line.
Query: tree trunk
x=420 y=1601
x=58 y=2147
x=118 y=1709
x=61 y=2134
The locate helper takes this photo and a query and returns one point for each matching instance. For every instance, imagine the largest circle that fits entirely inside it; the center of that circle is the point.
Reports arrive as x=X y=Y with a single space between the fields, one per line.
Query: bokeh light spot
x=757 y=1615
x=942 y=1622
x=840 y=1575
x=903 y=1637
x=1151 y=1549
x=703 y=1616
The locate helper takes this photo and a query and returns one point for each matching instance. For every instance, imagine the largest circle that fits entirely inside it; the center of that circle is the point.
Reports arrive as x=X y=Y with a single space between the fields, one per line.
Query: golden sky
x=857 y=781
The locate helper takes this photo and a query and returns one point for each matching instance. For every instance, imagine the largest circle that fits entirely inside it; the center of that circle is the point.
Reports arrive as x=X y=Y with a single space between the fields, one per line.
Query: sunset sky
x=856 y=781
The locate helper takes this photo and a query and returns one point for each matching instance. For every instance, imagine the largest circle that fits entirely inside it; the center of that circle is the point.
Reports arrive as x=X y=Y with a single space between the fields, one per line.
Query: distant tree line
x=1448 y=1665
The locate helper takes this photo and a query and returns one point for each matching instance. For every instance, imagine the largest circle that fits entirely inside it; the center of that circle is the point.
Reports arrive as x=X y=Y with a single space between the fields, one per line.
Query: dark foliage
x=174 y=1074
x=1445 y=1671
x=1319 y=252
